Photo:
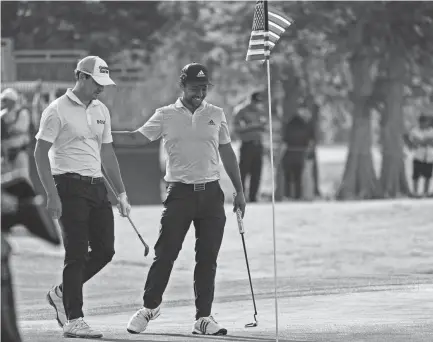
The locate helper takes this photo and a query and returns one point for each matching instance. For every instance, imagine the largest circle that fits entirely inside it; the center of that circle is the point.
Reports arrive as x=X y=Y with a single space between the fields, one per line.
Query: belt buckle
x=199 y=187
x=91 y=180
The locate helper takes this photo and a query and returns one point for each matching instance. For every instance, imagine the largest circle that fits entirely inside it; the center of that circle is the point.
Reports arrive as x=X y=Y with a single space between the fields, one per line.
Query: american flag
x=264 y=37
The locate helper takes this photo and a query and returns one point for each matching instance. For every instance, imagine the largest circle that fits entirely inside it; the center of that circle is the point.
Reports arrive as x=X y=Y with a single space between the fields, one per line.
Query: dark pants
x=87 y=223
x=182 y=206
x=293 y=163
x=422 y=169
x=250 y=163
x=9 y=329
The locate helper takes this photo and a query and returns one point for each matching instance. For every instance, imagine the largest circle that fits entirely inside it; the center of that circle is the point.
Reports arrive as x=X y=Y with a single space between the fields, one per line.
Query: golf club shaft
x=241 y=232
x=129 y=218
x=249 y=273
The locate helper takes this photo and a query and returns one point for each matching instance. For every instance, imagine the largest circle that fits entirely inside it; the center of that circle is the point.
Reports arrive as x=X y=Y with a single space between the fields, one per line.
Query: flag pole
x=273 y=196
x=268 y=71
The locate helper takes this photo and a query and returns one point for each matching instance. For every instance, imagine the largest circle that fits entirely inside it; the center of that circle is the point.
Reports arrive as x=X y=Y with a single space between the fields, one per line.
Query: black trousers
x=183 y=206
x=250 y=163
x=88 y=237
x=293 y=163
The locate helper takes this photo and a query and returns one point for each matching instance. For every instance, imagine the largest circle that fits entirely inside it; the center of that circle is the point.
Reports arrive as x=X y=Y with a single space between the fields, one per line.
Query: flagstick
x=273 y=195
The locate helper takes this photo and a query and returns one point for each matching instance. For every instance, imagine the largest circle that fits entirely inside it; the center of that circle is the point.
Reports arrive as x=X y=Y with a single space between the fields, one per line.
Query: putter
x=146 y=247
x=241 y=232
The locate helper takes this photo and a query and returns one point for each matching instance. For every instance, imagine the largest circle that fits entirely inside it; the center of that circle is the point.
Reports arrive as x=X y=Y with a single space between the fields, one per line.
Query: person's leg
x=428 y=170
x=209 y=229
x=298 y=169
x=9 y=329
x=177 y=215
x=416 y=174
x=316 y=174
x=75 y=225
x=289 y=184
x=256 y=172
x=285 y=170
x=101 y=232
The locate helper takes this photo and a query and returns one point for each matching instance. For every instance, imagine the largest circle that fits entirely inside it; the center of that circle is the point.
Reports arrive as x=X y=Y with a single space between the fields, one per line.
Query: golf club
x=242 y=231
x=146 y=247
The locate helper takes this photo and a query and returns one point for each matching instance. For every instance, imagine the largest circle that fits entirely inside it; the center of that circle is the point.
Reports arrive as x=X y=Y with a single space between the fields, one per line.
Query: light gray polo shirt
x=77 y=134
x=190 y=141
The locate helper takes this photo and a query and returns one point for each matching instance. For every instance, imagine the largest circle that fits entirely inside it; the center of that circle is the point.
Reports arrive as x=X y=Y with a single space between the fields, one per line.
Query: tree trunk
x=359 y=178
x=393 y=174
x=290 y=88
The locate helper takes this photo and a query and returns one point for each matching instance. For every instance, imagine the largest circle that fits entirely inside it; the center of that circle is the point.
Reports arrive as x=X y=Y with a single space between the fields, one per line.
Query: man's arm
x=230 y=163
x=150 y=131
x=129 y=138
x=43 y=167
x=241 y=126
x=231 y=166
x=111 y=167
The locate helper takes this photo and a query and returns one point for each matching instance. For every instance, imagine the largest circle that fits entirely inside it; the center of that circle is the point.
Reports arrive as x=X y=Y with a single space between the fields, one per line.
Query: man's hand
x=239 y=203
x=9 y=203
x=123 y=205
x=54 y=206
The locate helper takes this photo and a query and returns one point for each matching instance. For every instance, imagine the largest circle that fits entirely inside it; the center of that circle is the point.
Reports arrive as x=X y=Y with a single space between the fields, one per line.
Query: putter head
x=146 y=250
x=253 y=324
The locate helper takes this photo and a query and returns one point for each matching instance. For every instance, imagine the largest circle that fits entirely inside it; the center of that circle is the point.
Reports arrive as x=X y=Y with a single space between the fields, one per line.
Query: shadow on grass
x=234 y=338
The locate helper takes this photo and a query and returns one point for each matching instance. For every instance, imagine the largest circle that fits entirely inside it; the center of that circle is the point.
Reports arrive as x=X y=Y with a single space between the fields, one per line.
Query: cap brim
x=198 y=81
x=103 y=81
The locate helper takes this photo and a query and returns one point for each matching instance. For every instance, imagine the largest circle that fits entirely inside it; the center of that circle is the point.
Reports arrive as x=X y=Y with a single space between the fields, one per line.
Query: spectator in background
x=249 y=124
x=15 y=131
x=298 y=138
x=421 y=140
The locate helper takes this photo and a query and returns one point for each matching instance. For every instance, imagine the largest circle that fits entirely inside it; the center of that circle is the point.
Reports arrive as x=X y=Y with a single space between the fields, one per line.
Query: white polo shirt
x=190 y=141
x=77 y=134
x=423 y=153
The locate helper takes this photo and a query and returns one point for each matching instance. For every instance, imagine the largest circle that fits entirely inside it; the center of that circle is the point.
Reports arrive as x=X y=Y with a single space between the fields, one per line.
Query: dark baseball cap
x=194 y=72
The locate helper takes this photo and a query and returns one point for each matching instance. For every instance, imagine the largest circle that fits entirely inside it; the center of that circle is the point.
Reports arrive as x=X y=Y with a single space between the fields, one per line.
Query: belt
x=196 y=186
x=252 y=142
x=88 y=179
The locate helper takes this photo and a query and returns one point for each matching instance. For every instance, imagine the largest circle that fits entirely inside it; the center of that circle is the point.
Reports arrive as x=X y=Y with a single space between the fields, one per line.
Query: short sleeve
x=107 y=138
x=224 y=134
x=152 y=129
x=50 y=125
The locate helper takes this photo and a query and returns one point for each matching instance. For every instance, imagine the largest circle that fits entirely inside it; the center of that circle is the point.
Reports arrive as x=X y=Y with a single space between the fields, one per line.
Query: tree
x=408 y=47
x=101 y=28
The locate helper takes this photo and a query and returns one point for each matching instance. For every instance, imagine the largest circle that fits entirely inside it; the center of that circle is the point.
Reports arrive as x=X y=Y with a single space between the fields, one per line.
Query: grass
x=341 y=266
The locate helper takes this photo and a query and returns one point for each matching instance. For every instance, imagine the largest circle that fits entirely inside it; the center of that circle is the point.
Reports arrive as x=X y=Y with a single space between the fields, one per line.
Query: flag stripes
x=262 y=41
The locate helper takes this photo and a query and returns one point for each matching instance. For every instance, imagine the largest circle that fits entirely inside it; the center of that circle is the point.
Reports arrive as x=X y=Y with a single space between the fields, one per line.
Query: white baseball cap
x=97 y=68
x=10 y=94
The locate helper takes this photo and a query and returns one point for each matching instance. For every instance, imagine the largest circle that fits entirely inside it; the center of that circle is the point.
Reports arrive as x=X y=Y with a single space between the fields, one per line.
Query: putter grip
x=240 y=222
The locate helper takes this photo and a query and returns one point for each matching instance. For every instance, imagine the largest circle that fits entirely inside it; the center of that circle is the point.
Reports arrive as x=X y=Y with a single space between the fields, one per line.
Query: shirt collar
x=73 y=97
x=179 y=104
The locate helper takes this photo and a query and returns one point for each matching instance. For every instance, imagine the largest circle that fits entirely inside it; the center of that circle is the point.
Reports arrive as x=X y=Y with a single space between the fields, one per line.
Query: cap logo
x=103 y=70
x=201 y=74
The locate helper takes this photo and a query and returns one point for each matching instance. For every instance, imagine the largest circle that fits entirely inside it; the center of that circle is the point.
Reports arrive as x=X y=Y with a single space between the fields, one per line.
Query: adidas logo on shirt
x=201 y=74
x=211 y=123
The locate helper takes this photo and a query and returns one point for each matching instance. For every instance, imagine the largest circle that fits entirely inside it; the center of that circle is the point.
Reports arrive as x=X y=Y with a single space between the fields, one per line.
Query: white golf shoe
x=138 y=322
x=78 y=328
x=55 y=299
x=208 y=326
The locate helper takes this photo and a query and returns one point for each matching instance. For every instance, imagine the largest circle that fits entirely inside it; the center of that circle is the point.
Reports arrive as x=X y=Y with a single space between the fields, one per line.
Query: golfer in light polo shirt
x=74 y=138
x=195 y=135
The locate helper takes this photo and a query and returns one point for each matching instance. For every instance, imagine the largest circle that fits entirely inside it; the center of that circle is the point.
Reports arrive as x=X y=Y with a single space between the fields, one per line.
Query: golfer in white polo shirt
x=74 y=138
x=195 y=134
